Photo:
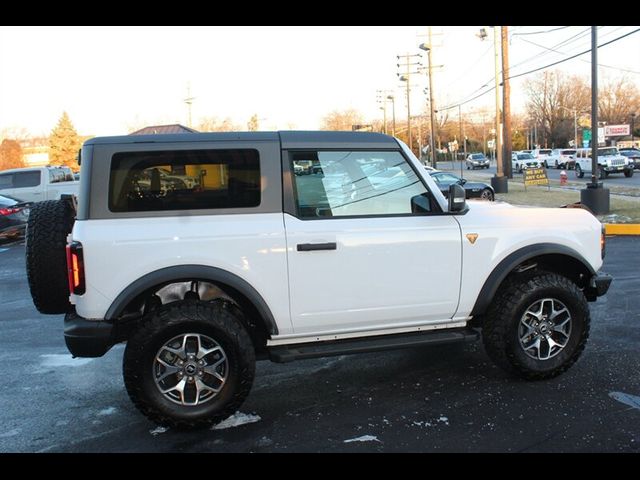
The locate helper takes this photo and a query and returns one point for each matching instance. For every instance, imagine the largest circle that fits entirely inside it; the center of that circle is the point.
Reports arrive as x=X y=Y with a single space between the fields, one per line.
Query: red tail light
x=9 y=211
x=75 y=268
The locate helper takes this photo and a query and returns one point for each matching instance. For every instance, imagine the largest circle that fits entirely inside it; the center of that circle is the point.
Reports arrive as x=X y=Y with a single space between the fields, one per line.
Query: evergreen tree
x=64 y=144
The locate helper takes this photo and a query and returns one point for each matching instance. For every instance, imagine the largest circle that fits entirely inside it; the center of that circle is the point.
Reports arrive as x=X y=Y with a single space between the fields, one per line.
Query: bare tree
x=11 y=154
x=213 y=124
x=617 y=100
x=342 y=120
x=551 y=96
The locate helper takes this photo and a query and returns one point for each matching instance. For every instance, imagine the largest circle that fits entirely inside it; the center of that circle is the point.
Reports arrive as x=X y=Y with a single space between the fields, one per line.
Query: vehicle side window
x=6 y=180
x=26 y=179
x=57 y=175
x=184 y=180
x=356 y=183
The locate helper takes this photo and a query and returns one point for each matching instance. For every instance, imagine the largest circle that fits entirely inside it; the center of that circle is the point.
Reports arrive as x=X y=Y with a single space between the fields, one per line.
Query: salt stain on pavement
x=63 y=360
x=10 y=433
x=236 y=420
x=364 y=438
x=107 y=411
x=158 y=431
x=631 y=400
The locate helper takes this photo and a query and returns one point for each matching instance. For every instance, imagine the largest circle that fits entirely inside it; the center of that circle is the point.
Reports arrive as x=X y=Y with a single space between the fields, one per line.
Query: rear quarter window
x=184 y=180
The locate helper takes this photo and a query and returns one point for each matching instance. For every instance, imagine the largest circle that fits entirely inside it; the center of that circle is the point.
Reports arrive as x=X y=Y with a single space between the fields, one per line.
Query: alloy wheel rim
x=190 y=369
x=545 y=329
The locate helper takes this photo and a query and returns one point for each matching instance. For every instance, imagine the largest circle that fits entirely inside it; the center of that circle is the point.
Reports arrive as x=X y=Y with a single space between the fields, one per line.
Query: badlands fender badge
x=472 y=237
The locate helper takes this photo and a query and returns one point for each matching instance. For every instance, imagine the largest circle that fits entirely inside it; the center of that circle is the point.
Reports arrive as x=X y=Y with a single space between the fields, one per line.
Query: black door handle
x=309 y=247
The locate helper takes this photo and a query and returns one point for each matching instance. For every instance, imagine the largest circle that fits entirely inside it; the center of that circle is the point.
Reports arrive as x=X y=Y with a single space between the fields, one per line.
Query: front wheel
x=190 y=364
x=628 y=173
x=602 y=174
x=579 y=172
x=537 y=327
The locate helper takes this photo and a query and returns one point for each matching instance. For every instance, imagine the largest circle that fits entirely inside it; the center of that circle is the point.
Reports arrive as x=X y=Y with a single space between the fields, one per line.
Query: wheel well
x=205 y=290
x=563 y=264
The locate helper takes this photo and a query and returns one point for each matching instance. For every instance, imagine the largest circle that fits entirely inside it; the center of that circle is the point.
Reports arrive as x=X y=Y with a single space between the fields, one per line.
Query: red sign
x=616 y=130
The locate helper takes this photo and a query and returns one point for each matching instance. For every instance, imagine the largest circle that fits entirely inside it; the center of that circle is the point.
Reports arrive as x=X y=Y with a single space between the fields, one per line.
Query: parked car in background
x=542 y=155
x=38 y=183
x=562 y=158
x=521 y=161
x=13 y=217
x=472 y=189
x=633 y=154
x=609 y=161
x=477 y=160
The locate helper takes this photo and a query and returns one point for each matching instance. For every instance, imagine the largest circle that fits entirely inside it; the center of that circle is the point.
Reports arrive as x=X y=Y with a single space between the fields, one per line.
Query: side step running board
x=289 y=353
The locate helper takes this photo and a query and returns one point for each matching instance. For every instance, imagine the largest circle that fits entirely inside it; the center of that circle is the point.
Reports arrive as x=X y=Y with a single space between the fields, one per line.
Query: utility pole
x=431 y=105
x=393 y=113
x=406 y=77
x=499 y=181
x=506 y=100
x=381 y=97
x=408 y=73
x=189 y=100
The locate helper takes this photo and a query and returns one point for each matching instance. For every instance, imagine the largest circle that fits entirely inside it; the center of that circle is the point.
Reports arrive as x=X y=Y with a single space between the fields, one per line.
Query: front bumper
x=598 y=286
x=87 y=338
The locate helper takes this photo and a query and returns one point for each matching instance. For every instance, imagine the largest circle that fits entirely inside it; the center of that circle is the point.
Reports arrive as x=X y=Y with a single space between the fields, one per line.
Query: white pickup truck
x=38 y=183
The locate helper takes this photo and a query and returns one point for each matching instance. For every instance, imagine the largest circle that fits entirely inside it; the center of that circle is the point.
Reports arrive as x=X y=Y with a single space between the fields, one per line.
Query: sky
x=112 y=79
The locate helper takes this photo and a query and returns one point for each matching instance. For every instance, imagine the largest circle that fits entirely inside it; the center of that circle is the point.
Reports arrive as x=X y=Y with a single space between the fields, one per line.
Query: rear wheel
x=191 y=364
x=487 y=194
x=46 y=239
x=537 y=327
x=556 y=164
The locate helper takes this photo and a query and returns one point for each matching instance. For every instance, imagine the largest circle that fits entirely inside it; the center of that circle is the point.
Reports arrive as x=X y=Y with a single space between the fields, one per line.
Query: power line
x=581 y=59
x=576 y=55
x=541 y=68
x=544 y=31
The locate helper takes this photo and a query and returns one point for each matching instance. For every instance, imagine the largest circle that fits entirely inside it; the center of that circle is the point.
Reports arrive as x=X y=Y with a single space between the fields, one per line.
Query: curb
x=622 y=228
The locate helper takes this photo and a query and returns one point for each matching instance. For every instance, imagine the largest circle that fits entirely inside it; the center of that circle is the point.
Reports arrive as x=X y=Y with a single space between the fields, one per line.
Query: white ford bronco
x=249 y=261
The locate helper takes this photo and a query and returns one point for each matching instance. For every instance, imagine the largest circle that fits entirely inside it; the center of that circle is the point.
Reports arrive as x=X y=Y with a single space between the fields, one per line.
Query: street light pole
x=633 y=117
x=595 y=197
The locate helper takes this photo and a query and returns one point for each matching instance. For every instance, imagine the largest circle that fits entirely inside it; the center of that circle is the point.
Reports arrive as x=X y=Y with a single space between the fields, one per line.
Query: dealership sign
x=616 y=130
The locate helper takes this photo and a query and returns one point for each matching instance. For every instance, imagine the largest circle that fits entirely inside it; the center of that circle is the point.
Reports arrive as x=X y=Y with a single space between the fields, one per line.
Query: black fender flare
x=511 y=261
x=189 y=272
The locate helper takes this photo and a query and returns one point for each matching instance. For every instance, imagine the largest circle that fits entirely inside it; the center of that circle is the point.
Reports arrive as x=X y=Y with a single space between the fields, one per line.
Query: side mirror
x=457 y=198
x=462 y=181
x=420 y=204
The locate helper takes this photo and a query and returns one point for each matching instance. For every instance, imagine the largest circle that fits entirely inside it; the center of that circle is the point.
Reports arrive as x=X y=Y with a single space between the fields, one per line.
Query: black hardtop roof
x=288 y=139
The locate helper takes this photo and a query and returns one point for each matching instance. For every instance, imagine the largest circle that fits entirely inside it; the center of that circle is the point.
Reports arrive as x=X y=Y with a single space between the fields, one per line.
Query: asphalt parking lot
x=438 y=399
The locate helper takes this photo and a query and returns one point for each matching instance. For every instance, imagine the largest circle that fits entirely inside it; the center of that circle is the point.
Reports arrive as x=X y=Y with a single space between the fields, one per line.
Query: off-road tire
x=579 y=172
x=628 y=173
x=500 y=328
x=221 y=320
x=46 y=239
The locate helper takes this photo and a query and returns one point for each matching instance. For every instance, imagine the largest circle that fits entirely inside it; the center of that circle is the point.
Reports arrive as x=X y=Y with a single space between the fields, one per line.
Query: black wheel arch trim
x=511 y=261
x=188 y=272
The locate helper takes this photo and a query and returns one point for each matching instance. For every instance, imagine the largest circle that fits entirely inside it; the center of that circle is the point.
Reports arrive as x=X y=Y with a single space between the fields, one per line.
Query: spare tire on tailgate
x=49 y=224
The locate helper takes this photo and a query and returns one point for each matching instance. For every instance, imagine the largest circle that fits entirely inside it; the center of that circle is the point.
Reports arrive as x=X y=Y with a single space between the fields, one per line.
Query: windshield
x=477 y=156
x=607 y=151
x=567 y=152
x=544 y=152
x=525 y=156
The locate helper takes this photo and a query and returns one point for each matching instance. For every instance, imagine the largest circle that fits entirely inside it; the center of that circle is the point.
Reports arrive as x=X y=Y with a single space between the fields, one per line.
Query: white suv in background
x=562 y=158
x=609 y=161
x=521 y=161
x=542 y=154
